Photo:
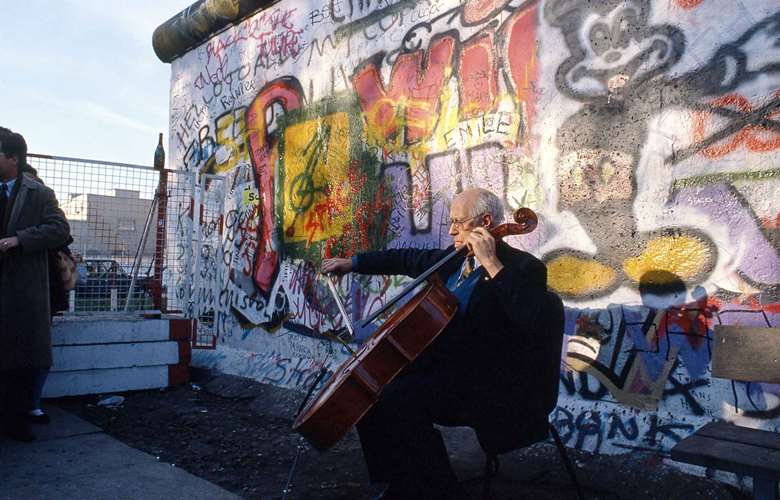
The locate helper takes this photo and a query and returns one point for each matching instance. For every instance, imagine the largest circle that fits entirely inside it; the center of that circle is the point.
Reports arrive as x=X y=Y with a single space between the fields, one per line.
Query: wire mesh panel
x=178 y=233
x=209 y=266
x=124 y=251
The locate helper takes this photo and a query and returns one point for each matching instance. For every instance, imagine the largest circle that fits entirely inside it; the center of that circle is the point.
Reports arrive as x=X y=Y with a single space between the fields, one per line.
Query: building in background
x=110 y=227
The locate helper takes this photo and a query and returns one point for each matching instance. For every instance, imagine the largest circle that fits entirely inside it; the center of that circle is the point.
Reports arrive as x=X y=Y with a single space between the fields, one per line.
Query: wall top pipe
x=198 y=22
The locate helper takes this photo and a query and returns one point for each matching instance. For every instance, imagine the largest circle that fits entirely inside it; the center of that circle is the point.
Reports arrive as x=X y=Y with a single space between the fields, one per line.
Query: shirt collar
x=10 y=185
x=475 y=262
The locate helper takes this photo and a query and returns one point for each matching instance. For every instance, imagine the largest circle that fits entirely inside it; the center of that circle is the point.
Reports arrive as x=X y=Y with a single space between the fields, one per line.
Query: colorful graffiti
x=647 y=144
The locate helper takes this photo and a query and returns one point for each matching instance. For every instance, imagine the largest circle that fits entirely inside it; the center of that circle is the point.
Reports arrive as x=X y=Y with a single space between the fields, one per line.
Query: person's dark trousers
x=15 y=398
x=39 y=376
x=400 y=444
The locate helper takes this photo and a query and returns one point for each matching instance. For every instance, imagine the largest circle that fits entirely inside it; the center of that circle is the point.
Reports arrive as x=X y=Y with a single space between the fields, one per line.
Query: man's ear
x=487 y=220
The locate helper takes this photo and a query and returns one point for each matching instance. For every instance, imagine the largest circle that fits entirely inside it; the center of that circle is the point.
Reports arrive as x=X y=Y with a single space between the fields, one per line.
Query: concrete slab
x=74 y=383
x=73 y=330
x=72 y=459
x=119 y=355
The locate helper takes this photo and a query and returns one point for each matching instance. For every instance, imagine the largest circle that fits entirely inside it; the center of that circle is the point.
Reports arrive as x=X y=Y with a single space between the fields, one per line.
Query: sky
x=81 y=79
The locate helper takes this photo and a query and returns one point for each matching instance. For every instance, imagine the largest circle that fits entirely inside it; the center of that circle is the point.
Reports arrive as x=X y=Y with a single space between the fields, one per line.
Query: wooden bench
x=736 y=449
x=752 y=355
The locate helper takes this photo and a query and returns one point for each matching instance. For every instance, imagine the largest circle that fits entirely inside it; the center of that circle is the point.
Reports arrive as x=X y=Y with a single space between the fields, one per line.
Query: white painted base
x=114 y=354
x=101 y=356
x=78 y=330
x=76 y=383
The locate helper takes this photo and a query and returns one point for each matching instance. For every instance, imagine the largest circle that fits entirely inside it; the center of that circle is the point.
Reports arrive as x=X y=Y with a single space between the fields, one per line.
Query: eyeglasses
x=458 y=224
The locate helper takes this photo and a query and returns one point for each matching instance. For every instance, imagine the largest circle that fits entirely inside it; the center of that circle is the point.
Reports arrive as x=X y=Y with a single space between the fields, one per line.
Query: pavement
x=73 y=459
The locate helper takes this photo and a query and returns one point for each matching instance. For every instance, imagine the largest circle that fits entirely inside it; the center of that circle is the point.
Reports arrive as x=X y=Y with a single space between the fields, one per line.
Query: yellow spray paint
x=575 y=276
x=316 y=181
x=682 y=255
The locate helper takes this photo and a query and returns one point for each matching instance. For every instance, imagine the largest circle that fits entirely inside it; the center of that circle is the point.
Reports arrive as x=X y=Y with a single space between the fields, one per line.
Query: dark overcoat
x=499 y=350
x=25 y=322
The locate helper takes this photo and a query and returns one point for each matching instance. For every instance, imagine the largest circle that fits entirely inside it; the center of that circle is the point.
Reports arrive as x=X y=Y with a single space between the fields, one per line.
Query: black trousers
x=400 y=444
x=16 y=388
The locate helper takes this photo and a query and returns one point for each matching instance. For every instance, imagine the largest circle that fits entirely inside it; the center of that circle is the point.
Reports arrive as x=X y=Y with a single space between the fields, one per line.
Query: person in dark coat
x=31 y=223
x=58 y=302
x=480 y=371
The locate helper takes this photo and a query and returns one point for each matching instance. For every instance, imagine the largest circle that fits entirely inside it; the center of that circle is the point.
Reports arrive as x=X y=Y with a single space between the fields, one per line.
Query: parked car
x=94 y=291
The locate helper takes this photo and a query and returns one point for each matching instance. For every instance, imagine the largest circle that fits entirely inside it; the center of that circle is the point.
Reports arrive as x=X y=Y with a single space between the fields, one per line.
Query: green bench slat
x=731 y=456
x=737 y=434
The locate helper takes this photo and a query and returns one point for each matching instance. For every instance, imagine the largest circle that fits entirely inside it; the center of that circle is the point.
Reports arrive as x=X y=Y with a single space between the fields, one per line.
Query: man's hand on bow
x=336 y=265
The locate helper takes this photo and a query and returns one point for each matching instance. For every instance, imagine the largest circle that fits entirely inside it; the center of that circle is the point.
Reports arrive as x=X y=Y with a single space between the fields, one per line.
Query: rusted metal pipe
x=198 y=22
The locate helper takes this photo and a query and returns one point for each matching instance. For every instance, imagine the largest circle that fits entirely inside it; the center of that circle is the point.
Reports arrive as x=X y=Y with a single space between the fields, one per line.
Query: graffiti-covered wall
x=643 y=133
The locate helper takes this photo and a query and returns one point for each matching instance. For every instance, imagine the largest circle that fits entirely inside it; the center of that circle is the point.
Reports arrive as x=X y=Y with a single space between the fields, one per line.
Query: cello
x=357 y=383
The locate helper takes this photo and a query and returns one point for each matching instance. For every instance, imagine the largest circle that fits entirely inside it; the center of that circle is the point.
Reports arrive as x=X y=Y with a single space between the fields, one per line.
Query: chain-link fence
x=208 y=242
x=132 y=232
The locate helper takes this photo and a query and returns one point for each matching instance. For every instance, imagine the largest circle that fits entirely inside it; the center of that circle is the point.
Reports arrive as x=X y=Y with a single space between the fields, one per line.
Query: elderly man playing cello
x=480 y=371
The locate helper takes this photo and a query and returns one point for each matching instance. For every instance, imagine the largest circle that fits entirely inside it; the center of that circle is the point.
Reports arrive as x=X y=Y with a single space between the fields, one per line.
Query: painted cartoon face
x=615 y=39
x=612 y=39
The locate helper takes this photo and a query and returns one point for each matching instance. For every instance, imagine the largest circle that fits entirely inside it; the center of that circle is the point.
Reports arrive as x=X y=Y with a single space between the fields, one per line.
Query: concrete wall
x=643 y=133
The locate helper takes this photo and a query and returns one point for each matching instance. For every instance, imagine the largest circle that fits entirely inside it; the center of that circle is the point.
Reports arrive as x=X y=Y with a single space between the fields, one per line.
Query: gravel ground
x=233 y=432
x=236 y=433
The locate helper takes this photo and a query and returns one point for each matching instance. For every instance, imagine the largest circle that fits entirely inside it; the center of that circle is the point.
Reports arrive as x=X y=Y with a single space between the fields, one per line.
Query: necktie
x=468 y=267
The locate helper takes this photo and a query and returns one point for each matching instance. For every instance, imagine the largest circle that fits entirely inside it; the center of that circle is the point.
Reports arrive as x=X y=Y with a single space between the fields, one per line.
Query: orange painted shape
x=688 y=4
x=478 y=85
x=411 y=99
x=520 y=32
x=755 y=137
x=477 y=10
x=263 y=155
x=762 y=139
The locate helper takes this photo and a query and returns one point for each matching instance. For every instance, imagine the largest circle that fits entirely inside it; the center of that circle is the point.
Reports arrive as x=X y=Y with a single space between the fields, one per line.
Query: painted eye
x=600 y=38
x=625 y=28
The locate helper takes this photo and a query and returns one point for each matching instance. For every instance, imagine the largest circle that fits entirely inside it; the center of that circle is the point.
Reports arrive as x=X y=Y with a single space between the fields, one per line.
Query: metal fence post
x=161 y=240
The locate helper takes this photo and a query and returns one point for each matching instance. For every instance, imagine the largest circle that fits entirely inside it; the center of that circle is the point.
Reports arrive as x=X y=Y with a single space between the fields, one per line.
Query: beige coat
x=25 y=322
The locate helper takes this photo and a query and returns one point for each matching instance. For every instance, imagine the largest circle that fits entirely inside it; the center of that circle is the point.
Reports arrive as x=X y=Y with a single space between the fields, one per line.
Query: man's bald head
x=477 y=201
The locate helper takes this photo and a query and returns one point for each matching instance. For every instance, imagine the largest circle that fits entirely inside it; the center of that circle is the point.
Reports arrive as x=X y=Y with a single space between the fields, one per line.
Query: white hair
x=488 y=203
